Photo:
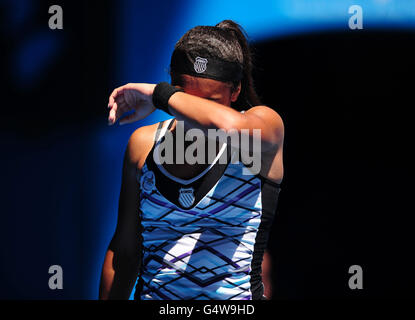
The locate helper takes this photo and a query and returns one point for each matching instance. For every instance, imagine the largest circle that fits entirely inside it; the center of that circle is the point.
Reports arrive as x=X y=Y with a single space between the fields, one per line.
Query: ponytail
x=248 y=94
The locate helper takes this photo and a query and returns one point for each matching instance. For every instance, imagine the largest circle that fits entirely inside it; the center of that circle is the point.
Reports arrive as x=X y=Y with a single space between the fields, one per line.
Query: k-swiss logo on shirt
x=186 y=197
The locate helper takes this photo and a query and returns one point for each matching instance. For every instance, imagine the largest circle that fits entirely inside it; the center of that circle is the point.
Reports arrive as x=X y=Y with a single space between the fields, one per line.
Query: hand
x=132 y=96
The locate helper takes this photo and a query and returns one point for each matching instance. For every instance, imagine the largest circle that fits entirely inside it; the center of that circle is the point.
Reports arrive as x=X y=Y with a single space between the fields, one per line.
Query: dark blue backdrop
x=61 y=164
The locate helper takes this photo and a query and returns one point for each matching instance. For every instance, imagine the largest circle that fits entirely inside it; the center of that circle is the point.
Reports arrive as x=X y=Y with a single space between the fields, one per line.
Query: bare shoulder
x=140 y=143
x=267 y=113
x=272 y=160
x=270 y=116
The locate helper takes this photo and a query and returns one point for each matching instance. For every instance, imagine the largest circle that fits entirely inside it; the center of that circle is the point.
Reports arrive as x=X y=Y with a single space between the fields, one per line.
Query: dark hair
x=227 y=41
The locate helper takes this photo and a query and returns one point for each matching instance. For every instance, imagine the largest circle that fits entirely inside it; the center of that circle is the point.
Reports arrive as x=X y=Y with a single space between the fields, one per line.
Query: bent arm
x=206 y=114
x=202 y=113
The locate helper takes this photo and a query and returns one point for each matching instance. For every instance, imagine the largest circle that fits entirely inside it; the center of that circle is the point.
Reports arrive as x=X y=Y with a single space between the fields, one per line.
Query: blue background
x=62 y=183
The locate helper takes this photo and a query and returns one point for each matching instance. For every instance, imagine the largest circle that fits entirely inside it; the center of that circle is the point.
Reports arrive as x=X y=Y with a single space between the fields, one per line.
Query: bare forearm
x=266 y=275
x=118 y=278
x=203 y=113
x=206 y=114
x=107 y=276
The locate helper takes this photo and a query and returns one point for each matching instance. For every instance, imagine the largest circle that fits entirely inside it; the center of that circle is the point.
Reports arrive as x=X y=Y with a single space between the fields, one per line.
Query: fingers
x=121 y=109
x=117 y=110
x=129 y=119
x=117 y=103
x=111 y=99
x=116 y=94
x=112 y=115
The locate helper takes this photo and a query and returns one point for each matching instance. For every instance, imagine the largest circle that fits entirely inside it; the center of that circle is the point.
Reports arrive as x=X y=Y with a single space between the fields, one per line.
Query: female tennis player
x=186 y=229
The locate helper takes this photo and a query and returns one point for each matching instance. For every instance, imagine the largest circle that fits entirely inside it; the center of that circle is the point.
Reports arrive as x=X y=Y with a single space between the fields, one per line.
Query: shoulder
x=269 y=115
x=140 y=143
x=265 y=112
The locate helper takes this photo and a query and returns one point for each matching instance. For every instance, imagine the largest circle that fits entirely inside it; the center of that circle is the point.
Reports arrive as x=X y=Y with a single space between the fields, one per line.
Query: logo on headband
x=200 y=64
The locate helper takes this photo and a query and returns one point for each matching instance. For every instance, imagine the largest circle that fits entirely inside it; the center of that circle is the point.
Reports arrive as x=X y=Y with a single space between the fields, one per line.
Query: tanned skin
x=204 y=104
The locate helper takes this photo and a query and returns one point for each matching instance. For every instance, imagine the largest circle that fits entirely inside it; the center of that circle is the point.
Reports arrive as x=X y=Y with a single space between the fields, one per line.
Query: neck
x=179 y=130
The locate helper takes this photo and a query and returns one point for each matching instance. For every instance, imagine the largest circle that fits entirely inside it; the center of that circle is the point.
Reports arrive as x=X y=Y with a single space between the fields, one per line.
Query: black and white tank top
x=203 y=238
